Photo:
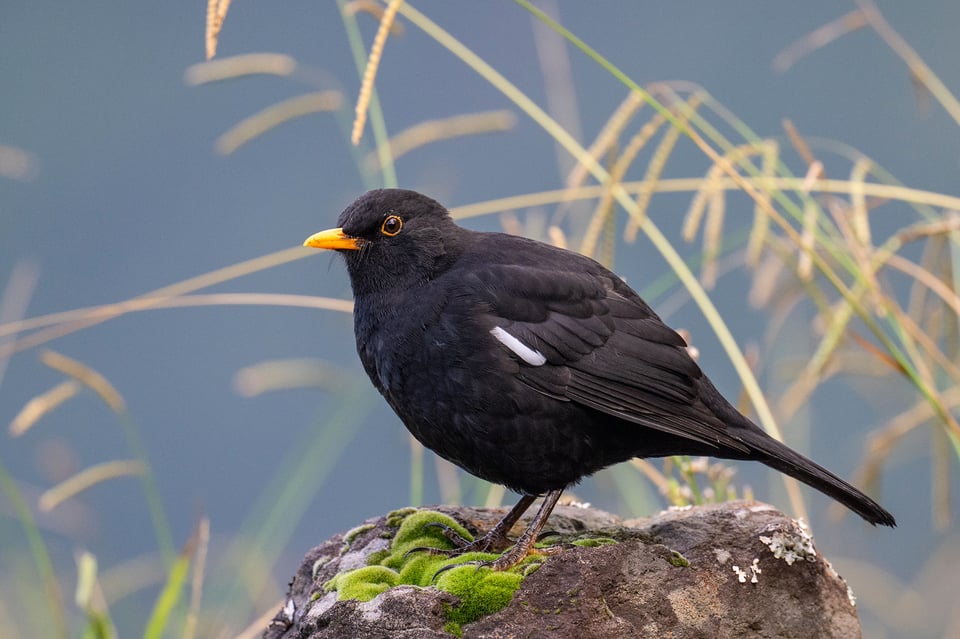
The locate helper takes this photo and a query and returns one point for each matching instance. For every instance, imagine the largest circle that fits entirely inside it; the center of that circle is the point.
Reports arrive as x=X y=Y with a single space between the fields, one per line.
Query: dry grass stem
x=370 y=73
x=818 y=38
x=712 y=237
x=799 y=144
x=557 y=237
x=276 y=114
x=941 y=227
x=86 y=478
x=448 y=480
x=658 y=162
x=919 y=70
x=883 y=441
x=800 y=390
x=698 y=206
x=940 y=452
x=374 y=9
x=654 y=170
x=692 y=184
x=765 y=279
x=130 y=576
x=202 y=543
x=239 y=66
x=862 y=253
x=444 y=129
x=42 y=404
x=714 y=181
x=858 y=201
x=651 y=472
x=275 y=375
x=86 y=376
x=808 y=239
x=15 y=300
x=216 y=14
x=60 y=324
x=88 y=595
x=929 y=345
x=932 y=283
x=607 y=136
x=934 y=256
x=875 y=352
x=510 y=223
x=617 y=172
x=77 y=319
x=769 y=159
x=710 y=200
x=494 y=496
x=814 y=172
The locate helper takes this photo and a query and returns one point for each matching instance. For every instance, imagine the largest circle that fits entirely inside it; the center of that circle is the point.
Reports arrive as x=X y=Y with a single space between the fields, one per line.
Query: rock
x=739 y=569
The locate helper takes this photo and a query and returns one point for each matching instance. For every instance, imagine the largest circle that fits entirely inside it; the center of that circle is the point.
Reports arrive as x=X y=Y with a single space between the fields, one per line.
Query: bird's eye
x=391 y=226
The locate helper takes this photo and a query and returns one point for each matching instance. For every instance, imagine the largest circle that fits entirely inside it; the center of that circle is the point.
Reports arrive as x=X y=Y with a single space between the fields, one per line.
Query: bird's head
x=391 y=239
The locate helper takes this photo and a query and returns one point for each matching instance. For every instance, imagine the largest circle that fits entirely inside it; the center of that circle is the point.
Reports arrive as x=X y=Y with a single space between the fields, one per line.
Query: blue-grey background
x=128 y=196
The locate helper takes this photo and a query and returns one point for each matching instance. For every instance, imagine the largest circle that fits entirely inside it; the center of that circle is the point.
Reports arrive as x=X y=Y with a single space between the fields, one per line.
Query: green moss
x=593 y=542
x=453 y=628
x=396 y=517
x=354 y=532
x=678 y=560
x=363 y=584
x=377 y=557
x=422 y=529
x=420 y=568
x=481 y=591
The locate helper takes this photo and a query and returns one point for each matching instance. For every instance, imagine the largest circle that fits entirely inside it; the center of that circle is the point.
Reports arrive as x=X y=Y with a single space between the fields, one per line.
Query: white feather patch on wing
x=521 y=350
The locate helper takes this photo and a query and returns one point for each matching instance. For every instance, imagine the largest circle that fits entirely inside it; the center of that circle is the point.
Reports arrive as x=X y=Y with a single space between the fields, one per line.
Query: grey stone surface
x=750 y=572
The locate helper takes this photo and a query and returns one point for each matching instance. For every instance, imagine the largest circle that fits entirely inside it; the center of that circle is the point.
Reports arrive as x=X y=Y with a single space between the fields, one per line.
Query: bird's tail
x=782 y=458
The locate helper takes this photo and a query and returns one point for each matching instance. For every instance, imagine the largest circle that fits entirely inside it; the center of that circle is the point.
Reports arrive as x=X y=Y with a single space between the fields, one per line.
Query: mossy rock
x=481 y=591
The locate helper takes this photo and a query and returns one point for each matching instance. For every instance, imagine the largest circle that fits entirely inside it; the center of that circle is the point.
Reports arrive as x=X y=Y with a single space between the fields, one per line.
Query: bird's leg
x=494 y=541
x=525 y=541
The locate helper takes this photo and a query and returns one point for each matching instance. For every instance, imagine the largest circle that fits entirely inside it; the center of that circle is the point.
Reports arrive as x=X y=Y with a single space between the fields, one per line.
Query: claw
x=478 y=564
x=432 y=551
x=546 y=534
x=455 y=538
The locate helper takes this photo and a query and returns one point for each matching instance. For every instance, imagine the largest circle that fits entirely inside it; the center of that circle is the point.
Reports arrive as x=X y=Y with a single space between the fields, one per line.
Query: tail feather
x=780 y=457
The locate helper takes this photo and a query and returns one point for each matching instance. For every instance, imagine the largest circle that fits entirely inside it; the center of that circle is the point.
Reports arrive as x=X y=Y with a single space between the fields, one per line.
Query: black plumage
x=528 y=365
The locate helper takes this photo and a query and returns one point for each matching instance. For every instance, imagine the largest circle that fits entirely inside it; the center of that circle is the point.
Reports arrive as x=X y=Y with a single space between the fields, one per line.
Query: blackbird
x=531 y=366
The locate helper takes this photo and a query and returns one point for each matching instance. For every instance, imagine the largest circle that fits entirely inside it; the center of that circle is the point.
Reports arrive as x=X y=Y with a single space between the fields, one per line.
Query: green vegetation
x=481 y=591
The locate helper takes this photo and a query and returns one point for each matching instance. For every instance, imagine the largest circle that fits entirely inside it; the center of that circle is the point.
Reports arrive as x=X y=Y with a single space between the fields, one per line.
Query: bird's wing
x=588 y=338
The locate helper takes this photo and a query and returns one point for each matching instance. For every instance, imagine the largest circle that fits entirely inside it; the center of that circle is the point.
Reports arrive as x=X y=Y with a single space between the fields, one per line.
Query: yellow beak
x=332 y=239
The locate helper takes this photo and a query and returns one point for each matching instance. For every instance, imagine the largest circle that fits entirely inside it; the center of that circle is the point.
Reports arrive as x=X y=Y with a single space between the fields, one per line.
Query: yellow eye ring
x=391 y=226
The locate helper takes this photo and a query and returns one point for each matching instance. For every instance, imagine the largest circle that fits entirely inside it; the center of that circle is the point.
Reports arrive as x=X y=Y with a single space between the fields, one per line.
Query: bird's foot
x=493 y=542
x=511 y=558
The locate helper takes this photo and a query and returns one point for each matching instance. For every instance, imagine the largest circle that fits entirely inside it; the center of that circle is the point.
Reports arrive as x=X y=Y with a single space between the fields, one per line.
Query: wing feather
x=604 y=348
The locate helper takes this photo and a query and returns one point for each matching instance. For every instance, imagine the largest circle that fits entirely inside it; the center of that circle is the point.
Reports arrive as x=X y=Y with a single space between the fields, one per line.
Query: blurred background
x=125 y=167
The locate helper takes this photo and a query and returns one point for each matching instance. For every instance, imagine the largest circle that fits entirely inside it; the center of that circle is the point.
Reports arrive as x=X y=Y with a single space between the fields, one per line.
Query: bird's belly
x=521 y=439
